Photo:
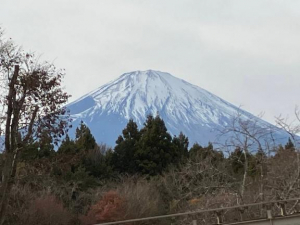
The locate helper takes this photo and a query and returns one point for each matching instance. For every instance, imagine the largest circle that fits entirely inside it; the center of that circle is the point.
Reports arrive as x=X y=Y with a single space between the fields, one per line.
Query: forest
x=147 y=173
x=50 y=178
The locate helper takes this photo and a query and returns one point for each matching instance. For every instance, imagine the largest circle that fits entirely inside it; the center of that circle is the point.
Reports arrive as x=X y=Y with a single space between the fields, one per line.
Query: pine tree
x=123 y=158
x=195 y=150
x=30 y=151
x=199 y=152
x=95 y=162
x=45 y=145
x=289 y=145
x=67 y=146
x=238 y=161
x=84 y=139
x=181 y=145
x=155 y=150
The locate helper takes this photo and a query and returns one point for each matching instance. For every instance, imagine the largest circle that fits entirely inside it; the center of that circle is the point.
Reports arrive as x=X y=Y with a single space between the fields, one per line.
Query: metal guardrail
x=218 y=213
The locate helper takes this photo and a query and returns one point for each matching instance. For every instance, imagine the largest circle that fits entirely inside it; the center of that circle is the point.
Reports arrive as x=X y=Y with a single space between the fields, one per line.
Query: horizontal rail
x=274 y=221
x=196 y=212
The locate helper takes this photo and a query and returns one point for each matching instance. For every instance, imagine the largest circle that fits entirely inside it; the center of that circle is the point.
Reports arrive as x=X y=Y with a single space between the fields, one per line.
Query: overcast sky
x=246 y=52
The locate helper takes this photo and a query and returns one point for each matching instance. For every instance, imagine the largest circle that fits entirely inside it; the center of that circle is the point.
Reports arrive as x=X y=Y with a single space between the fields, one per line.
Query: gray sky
x=246 y=52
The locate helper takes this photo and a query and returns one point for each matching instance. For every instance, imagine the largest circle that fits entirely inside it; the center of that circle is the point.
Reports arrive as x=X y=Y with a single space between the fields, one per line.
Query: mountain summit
x=134 y=95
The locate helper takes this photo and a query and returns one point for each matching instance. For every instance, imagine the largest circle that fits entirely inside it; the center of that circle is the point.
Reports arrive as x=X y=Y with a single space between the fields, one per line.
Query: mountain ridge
x=134 y=95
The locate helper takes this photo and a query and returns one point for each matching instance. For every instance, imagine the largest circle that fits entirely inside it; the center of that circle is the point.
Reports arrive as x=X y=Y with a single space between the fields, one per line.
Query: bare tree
x=31 y=100
x=250 y=136
x=291 y=171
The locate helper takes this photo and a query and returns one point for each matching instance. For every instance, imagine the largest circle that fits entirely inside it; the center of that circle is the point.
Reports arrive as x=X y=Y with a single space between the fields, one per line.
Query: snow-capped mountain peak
x=134 y=95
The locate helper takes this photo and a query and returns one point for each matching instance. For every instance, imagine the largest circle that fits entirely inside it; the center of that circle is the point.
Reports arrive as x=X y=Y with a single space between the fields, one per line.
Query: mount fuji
x=184 y=107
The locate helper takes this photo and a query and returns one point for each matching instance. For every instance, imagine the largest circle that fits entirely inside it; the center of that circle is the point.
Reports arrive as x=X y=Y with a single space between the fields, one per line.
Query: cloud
x=247 y=52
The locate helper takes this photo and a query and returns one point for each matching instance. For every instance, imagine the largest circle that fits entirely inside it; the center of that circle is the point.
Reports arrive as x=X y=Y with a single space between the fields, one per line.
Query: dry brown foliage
x=27 y=207
x=109 y=208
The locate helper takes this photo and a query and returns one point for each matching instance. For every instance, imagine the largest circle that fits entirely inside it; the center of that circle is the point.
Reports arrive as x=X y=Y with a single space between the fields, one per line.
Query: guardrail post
x=219 y=217
x=269 y=210
x=241 y=212
x=282 y=208
x=269 y=214
x=172 y=220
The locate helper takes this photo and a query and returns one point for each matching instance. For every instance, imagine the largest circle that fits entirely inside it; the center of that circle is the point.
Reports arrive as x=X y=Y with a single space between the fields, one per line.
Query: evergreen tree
x=84 y=139
x=45 y=144
x=123 y=157
x=67 y=146
x=288 y=149
x=94 y=162
x=76 y=155
x=156 y=150
x=197 y=151
x=289 y=145
x=237 y=162
x=181 y=145
x=30 y=151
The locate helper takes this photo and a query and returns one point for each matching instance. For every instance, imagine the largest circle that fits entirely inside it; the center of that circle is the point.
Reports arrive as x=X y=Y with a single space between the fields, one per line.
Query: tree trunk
x=8 y=175
x=246 y=164
x=245 y=175
x=11 y=132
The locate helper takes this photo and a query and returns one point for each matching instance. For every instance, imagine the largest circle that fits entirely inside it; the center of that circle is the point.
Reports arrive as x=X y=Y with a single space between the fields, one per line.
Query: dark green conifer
x=155 y=150
x=123 y=157
x=289 y=145
x=198 y=152
x=95 y=163
x=194 y=151
x=45 y=144
x=67 y=146
x=181 y=145
x=30 y=151
x=238 y=162
x=84 y=139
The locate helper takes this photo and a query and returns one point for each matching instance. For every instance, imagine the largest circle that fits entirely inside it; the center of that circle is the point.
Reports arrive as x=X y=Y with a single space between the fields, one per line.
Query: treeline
x=148 y=173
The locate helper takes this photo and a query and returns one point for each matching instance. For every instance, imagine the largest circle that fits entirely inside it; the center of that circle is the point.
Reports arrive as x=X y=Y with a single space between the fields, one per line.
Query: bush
x=142 y=198
x=45 y=210
x=131 y=197
x=109 y=208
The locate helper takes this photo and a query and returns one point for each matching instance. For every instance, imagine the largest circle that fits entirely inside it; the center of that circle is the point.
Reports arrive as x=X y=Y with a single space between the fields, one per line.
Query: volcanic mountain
x=184 y=107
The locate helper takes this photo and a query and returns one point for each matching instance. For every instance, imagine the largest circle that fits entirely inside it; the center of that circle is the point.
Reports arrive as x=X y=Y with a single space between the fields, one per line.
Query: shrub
x=46 y=210
x=109 y=208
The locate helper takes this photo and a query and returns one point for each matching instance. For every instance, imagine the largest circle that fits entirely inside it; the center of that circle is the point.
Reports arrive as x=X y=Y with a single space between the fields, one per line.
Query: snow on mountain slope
x=183 y=106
